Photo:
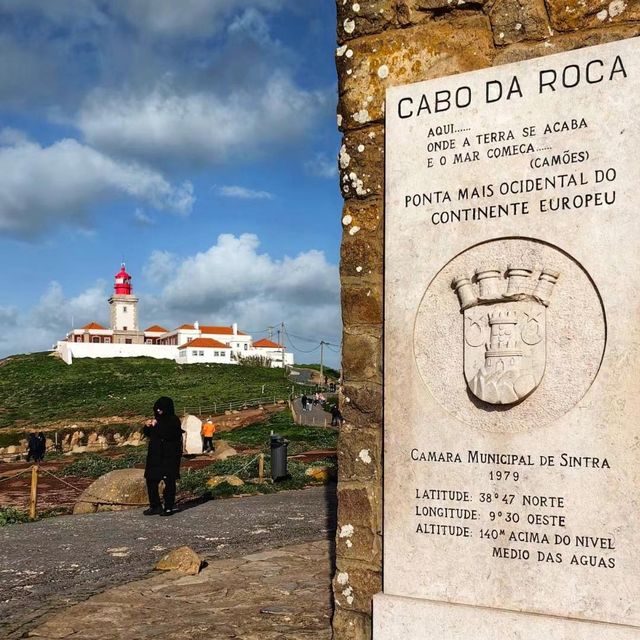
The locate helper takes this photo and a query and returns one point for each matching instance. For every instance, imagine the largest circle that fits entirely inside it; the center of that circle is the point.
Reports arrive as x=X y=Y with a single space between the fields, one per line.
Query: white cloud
x=41 y=186
x=191 y=18
x=11 y=137
x=142 y=219
x=203 y=127
x=233 y=282
x=38 y=328
x=160 y=266
x=322 y=166
x=234 y=191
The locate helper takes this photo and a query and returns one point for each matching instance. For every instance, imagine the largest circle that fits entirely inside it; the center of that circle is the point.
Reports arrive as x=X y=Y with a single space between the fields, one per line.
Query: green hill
x=39 y=389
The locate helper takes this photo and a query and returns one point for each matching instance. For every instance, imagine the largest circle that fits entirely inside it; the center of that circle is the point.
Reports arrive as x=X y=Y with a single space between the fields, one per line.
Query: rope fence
x=35 y=469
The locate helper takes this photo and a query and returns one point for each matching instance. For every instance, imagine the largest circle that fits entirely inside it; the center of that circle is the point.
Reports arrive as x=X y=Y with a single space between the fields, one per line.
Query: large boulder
x=182 y=559
x=232 y=480
x=125 y=487
x=222 y=450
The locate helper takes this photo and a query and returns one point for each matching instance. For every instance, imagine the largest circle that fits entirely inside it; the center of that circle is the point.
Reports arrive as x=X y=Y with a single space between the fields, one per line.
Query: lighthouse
x=124 y=309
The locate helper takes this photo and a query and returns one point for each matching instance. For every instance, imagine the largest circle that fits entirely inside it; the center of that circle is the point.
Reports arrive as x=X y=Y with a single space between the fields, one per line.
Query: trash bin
x=279 y=458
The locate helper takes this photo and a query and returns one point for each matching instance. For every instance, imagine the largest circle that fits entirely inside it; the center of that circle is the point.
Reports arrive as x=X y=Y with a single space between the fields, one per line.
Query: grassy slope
x=328 y=371
x=37 y=389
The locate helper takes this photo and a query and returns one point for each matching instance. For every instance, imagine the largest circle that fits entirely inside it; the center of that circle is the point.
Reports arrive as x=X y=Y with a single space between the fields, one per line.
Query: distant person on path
x=336 y=416
x=304 y=400
x=163 y=457
x=32 y=447
x=41 y=447
x=208 y=429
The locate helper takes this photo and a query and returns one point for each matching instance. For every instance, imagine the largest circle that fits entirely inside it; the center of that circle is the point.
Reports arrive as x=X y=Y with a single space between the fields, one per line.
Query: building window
x=124 y=328
x=107 y=339
x=183 y=353
x=148 y=341
x=246 y=346
x=194 y=353
x=201 y=353
x=127 y=341
x=95 y=339
x=124 y=309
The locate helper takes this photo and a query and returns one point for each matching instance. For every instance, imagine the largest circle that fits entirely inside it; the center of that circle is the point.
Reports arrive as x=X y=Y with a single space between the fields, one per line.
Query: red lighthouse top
x=123 y=282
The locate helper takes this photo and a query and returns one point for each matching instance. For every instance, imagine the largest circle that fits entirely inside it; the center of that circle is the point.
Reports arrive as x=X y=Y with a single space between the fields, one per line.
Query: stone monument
x=512 y=352
x=192 y=426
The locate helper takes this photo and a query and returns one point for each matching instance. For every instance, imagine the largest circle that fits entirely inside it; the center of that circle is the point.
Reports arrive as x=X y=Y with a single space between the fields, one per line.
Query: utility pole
x=270 y=330
x=284 y=369
x=322 y=343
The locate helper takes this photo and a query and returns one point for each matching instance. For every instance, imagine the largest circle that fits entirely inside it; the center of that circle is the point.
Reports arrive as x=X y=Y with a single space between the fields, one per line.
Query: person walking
x=304 y=401
x=163 y=457
x=207 y=431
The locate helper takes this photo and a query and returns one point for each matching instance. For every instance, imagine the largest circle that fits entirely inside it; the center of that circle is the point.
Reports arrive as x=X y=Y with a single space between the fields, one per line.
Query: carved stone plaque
x=512 y=352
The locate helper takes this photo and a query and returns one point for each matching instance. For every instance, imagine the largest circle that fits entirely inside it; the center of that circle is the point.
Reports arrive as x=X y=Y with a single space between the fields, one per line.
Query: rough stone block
x=356 y=19
x=362 y=355
x=570 y=15
x=361 y=302
x=361 y=252
x=349 y=625
x=364 y=214
x=361 y=163
x=438 y=48
x=359 y=534
x=361 y=403
x=416 y=11
x=359 y=453
x=518 y=20
x=354 y=586
x=525 y=51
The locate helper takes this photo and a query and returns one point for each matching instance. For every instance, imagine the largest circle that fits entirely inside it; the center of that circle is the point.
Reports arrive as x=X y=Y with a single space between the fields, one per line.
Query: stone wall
x=383 y=43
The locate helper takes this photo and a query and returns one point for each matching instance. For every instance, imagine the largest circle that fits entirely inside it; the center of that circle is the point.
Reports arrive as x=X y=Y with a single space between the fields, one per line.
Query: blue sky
x=196 y=140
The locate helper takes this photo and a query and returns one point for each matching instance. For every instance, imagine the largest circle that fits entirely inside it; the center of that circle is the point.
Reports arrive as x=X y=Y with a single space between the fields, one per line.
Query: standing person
x=336 y=416
x=163 y=457
x=32 y=447
x=304 y=401
x=207 y=431
x=41 y=447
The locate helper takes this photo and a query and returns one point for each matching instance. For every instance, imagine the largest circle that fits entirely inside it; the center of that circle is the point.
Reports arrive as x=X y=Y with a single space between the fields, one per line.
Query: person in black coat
x=163 y=457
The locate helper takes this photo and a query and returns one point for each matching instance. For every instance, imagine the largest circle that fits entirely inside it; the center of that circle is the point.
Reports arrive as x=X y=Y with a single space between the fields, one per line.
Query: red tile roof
x=204 y=342
x=223 y=331
x=94 y=325
x=155 y=328
x=269 y=344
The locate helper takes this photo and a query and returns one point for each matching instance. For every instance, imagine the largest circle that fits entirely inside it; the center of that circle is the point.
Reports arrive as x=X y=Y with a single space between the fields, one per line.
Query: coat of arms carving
x=504 y=331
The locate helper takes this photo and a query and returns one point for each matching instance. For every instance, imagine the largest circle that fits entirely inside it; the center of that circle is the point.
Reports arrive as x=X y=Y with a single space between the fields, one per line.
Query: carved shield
x=504 y=349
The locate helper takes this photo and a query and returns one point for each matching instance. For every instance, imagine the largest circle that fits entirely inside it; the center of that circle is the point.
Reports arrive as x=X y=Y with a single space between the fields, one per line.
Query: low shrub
x=11 y=515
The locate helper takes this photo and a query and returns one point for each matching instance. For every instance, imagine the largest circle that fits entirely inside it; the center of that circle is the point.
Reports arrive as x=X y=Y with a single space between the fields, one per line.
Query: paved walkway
x=48 y=565
x=317 y=416
x=281 y=594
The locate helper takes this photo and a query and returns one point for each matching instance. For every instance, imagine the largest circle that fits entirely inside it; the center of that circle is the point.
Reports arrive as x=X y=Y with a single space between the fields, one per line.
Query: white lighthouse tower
x=124 y=310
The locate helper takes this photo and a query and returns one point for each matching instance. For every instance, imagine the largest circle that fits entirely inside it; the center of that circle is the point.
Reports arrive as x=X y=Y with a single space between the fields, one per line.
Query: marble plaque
x=512 y=347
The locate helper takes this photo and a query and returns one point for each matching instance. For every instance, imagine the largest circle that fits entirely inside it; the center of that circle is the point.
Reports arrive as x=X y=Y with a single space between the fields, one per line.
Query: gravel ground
x=48 y=565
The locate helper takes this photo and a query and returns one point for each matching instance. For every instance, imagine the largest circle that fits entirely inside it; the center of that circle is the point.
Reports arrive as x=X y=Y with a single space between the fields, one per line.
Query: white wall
x=223 y=357
x=70 y=350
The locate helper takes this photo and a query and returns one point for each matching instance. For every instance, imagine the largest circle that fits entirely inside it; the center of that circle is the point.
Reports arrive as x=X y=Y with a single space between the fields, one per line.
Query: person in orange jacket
x=207 y=431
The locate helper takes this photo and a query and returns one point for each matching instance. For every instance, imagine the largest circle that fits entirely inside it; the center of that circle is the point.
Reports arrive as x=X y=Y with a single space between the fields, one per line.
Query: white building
x=188 y=344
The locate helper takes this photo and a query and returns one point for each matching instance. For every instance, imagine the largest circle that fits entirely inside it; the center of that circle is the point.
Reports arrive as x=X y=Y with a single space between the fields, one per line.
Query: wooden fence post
x=33 y=497
x=261 y=467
